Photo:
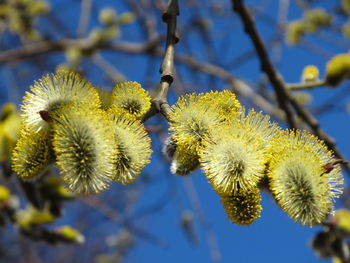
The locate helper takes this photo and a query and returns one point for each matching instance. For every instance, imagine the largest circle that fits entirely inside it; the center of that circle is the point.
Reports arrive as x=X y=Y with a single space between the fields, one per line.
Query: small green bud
x=6 y=110
x=310 y=73
x=108 y=16
x=52 y=188
x=10 y=123
x=295 y=31
x=37 y=8
x=317 y=18
x=4 y=193
x=32 y=216
x=4 y=10
x=303 y=98
x=96 y=35
x=345 y=6
x=70 y=234
x=111 y=32
x=73 y=54
x=126 y=18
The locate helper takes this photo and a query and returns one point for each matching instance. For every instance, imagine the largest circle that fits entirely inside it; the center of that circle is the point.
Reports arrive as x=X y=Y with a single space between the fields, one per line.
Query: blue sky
x=272 y=238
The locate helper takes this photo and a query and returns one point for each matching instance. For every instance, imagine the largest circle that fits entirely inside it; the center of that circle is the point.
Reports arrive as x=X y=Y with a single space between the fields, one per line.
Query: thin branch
x=266 y=65
x=44 y=47
x=160 y=102
x=113 y=73
x=84 y=17
x=197 y=207
x=112 y=215
x=146 y=20
x=306 y=85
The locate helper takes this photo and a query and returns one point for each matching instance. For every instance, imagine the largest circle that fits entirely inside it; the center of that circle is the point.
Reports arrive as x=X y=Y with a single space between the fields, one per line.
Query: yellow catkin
x=235 y=158
x=224 y=103
x=134 y=146
x=131 y=98
x=52 y=92
x=193 y=118
x=185 y=160
x=85 y=148
x=5 y=194
x=243 y=207
x=32 y=154
x=301 y=185
x=233 y=161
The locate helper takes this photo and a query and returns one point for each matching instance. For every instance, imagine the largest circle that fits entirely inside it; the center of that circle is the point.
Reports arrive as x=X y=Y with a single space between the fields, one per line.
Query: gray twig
x=266 y=65
x=84 y=17
x=159 y=101
x=306 y=85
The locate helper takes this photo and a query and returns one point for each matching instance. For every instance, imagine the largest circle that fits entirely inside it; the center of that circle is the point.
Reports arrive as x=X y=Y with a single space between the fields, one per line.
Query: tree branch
x=159 y=101
x=48 y=46
x=306 y=85
x=266 y=65
x=85 y=14
x=277 y=82
x=112 y=215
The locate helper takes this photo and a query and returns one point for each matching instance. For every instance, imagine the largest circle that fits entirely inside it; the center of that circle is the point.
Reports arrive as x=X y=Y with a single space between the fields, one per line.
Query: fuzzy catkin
x=85 y=148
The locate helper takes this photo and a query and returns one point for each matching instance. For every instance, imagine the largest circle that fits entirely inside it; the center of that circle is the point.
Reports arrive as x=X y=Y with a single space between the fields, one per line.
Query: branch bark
x=283 y=96
x=266 y=65
x=159 y=101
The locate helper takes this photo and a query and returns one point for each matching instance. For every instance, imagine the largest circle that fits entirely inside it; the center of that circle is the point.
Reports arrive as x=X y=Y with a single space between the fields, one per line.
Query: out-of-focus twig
x=145 y=18
x=47 y=46
x=111 y=214
x=306 y=85
x=85 y=13
x=113 y=73
x=266 y=65
x=199 y=213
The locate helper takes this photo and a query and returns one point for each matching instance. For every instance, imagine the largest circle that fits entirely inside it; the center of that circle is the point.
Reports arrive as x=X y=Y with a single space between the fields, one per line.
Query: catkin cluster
x=92 y=140
x=240 y=151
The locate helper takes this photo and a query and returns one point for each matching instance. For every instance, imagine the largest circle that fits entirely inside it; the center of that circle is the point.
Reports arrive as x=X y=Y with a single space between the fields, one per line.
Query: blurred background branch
x=114 y=41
